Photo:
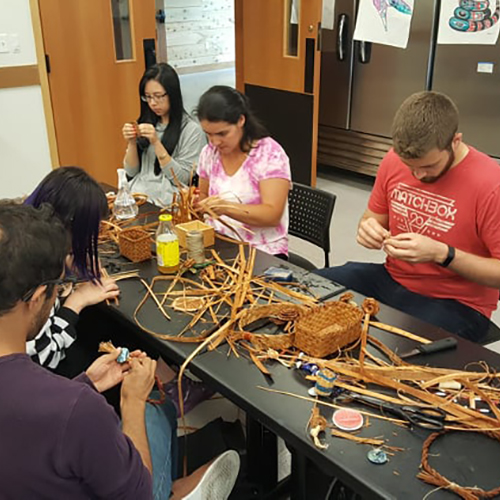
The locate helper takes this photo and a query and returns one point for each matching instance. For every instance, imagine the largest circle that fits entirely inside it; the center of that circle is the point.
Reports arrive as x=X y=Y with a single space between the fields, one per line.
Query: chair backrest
x=311 y=212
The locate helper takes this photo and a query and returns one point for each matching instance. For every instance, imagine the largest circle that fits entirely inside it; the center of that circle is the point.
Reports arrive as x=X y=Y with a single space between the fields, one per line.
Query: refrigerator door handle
x=365 y=52
x=343 y=35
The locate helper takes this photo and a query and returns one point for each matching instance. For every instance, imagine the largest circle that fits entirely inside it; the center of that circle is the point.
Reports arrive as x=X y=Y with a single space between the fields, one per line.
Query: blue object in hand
x=124 y=355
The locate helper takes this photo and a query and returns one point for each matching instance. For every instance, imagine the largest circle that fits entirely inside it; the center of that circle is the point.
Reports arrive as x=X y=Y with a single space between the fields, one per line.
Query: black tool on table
x=430 y=418
x=436 y=346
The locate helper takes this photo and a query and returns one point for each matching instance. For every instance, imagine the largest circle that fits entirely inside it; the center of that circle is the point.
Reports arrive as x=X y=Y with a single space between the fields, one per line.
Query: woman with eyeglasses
x=81 y=204
x=246 y=168
x=166 y=142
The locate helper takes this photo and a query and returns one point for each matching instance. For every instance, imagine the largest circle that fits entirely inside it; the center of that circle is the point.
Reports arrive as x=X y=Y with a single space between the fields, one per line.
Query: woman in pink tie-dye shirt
x=246 y=168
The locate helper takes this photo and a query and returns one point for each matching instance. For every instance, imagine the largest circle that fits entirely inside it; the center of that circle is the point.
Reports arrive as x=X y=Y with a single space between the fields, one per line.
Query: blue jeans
x=373 y=280
x=161 y=427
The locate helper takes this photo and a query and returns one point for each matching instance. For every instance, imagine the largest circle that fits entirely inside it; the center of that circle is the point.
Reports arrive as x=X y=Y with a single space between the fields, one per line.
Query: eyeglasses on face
x=153 y=98
x=64 y=287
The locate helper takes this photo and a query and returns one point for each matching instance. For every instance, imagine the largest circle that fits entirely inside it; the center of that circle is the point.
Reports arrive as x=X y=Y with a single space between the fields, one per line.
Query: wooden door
x=94 y=76
x=278 y=68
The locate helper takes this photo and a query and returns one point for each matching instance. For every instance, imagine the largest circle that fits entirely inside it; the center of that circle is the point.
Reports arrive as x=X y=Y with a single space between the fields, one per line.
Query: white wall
x=15 y=19
x=24 y=147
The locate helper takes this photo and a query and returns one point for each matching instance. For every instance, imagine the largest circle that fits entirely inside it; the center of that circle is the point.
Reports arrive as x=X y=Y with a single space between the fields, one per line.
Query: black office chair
x=310 y=212
x=493 y=335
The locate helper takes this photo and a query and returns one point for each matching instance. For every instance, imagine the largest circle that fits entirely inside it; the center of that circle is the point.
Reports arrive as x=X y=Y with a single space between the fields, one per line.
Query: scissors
x=430 y=418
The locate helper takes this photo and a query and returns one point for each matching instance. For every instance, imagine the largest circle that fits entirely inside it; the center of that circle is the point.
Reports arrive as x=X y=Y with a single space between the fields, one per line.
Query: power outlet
x=15 y=46
x=4 y=43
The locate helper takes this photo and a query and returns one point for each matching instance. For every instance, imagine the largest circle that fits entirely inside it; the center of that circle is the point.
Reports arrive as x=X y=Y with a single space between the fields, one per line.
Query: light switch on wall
x=4 y=44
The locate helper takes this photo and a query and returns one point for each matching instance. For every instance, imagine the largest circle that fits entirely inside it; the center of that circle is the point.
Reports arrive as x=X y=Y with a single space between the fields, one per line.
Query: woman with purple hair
x=81 y=204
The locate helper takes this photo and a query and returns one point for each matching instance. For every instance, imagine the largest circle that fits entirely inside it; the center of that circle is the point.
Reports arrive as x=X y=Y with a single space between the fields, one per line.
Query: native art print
x=382 y=7
x=472 y=16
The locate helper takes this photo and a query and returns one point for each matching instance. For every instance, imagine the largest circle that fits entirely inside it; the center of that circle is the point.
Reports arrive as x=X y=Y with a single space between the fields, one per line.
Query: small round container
x=377 y=456
x=348 y=420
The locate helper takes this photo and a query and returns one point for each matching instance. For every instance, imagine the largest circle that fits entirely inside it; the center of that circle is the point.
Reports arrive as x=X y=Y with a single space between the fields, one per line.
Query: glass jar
x=125 y=206
x=167 y=246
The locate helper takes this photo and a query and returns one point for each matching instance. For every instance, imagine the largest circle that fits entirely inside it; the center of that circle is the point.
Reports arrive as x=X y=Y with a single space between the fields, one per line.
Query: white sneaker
x=218 y=481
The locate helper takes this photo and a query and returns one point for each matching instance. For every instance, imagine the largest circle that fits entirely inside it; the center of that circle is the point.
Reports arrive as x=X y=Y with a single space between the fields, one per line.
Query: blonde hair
x=424 y=121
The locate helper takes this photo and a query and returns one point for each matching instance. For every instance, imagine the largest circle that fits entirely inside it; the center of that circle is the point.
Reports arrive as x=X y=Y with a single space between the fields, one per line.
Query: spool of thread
x=325 y=380
x=195 y=246
x=309 y=368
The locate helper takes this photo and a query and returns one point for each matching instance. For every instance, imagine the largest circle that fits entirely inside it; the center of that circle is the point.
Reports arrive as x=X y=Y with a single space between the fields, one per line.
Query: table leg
x=262 y=457
x=299 y=477
x=308 y=482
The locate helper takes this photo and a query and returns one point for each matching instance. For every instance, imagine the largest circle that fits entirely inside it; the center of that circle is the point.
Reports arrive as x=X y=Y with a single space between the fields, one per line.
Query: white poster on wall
x=469 y=22
x=328 y=14
x=384 y=21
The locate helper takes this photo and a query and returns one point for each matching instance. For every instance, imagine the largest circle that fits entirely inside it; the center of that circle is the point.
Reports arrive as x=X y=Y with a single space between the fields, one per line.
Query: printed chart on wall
x=386 y=22
x=469 y=22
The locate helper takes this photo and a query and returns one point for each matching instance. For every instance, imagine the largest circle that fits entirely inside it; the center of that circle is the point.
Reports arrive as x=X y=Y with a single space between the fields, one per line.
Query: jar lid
x=165 y=218
x=348 y=420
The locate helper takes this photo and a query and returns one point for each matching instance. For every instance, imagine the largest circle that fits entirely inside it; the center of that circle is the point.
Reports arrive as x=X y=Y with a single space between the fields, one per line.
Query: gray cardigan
x=160 y=188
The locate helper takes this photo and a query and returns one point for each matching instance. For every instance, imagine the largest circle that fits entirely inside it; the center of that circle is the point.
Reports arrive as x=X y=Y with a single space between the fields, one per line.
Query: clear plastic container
x=125 y=206
x=167 y=246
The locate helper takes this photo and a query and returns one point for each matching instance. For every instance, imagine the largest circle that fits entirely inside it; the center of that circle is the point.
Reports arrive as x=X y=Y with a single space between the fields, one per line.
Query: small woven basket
x=283 y=313
x=135 y=244
x=327 y=328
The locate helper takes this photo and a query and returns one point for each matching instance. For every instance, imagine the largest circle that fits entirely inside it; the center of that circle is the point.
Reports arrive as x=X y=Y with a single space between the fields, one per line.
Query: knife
x=436 y=346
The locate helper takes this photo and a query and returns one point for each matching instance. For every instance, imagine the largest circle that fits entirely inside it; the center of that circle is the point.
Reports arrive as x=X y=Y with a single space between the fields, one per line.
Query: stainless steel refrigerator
x=463 y=73
x=363 y=84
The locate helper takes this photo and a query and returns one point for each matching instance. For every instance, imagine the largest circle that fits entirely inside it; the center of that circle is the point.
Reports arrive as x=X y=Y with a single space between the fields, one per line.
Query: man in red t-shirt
x=435 y=212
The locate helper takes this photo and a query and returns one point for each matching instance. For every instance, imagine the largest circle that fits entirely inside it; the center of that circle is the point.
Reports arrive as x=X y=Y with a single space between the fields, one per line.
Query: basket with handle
x=285 y=314
x=135 y=244
x=328 y=327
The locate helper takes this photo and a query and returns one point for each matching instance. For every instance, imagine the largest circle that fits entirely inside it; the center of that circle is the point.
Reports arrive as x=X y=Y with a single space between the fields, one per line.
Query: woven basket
x=282 y=313
x=135 y=244
x=328 y=328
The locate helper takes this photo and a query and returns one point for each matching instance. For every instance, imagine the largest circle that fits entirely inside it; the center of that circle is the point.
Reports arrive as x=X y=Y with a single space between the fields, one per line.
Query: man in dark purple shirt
x=59 y=439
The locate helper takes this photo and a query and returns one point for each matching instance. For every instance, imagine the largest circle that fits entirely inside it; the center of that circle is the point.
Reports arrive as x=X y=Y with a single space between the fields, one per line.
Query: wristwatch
x=449 y=258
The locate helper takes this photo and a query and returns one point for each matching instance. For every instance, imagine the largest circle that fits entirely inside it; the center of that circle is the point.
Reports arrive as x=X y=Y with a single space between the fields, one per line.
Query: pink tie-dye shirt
x=266 y=160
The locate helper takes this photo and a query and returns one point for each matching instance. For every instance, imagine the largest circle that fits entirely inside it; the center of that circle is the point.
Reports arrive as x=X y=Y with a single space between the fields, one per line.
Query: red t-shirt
x=461 y=209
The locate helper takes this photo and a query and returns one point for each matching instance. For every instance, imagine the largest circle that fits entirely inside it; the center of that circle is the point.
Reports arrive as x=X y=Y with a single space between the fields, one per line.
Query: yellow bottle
x=167 y=246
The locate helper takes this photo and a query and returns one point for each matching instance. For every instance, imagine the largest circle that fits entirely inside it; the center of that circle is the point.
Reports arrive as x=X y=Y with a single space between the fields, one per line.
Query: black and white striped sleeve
x=49 y=346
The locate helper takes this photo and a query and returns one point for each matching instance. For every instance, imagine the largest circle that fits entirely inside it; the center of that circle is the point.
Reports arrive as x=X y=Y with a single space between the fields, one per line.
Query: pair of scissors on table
x=430 y=418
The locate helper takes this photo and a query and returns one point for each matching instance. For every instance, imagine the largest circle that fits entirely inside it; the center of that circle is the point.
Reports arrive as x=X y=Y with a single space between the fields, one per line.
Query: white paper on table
x=328 y=15
x=379 y=21
x=449 y=36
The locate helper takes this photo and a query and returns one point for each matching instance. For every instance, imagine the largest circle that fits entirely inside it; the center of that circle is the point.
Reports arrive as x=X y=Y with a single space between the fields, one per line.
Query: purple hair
x=81 y=204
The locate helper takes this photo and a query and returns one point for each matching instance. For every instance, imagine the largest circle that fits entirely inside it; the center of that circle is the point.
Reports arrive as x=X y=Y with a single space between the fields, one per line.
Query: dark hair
x=81 y=204
x=225 y=104
x=425 y=120
x=165 y=75
x=33 y=247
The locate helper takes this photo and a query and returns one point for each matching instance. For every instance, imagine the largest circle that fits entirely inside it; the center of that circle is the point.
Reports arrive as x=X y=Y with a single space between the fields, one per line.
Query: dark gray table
x=468 y=459
x=263 y=472
x=237 y=379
